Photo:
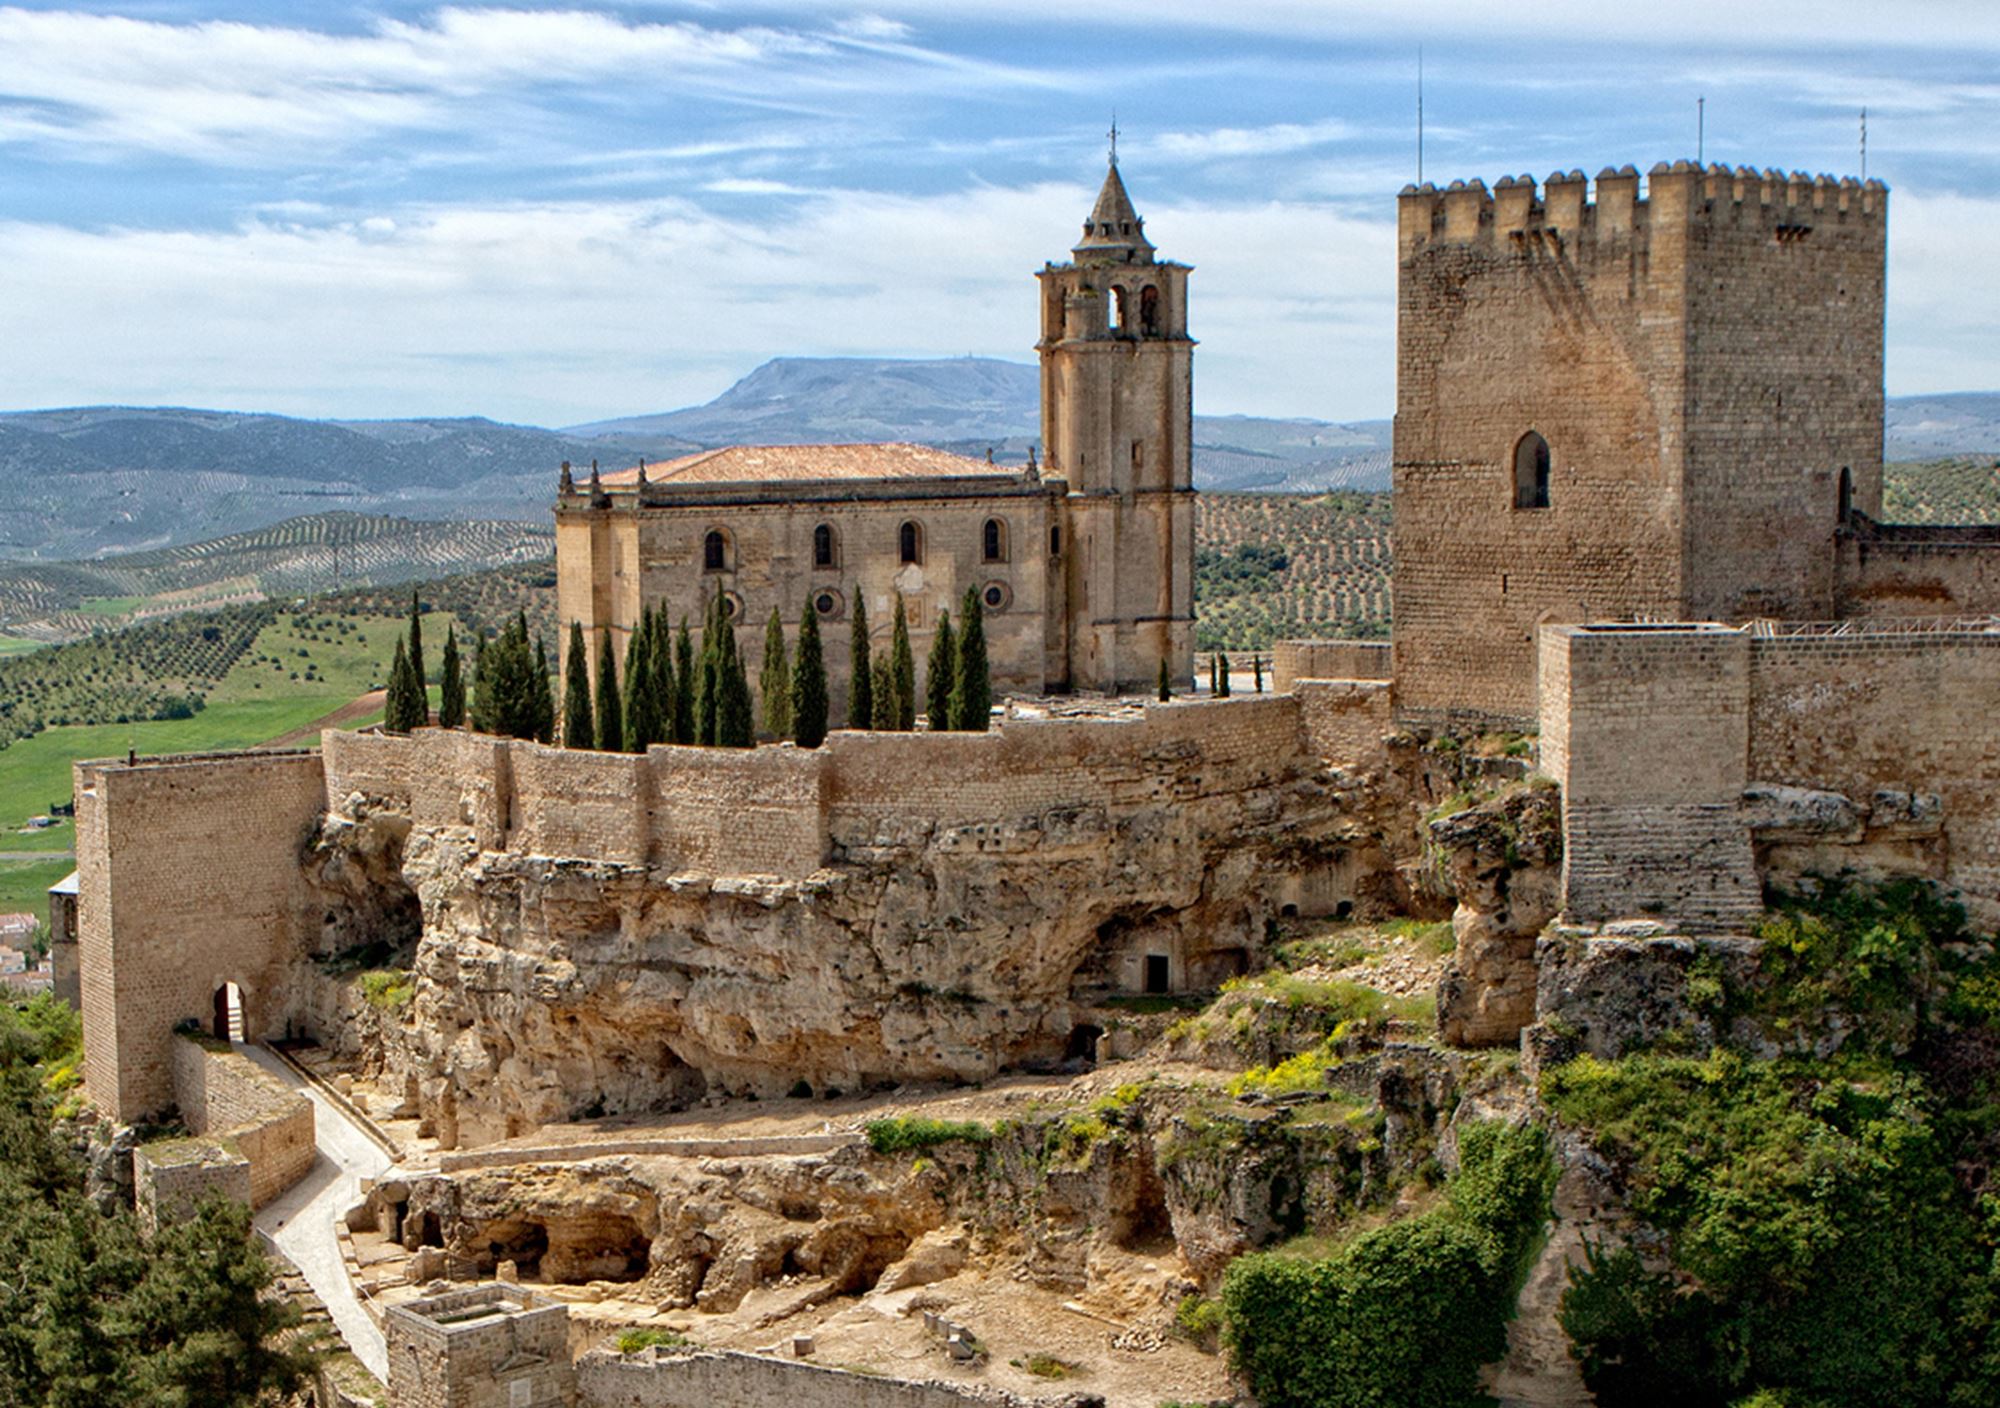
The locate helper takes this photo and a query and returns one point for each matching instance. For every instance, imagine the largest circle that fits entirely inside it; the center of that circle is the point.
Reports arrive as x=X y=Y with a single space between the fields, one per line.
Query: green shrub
x=1402 y=1316
x=387 y=989
x=632 y=1341
x=901 y=1134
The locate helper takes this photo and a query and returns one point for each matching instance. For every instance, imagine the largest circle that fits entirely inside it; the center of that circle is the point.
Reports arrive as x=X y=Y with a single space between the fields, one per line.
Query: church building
x=1083 y=563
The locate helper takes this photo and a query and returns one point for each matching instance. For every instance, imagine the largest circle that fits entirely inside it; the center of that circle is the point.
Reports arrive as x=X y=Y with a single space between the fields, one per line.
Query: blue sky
x=553 y=215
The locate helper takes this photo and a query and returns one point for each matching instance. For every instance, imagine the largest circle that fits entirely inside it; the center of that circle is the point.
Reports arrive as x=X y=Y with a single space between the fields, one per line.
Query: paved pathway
x=301 y=1222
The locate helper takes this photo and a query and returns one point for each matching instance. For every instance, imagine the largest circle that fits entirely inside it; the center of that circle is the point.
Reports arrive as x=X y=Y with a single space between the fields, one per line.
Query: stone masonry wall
x=1905 y=570
x=224 y=1095
x=189 y=878
x=1295 y=660
x=727 y=1379
x=171 y=1178
x=1682 y=751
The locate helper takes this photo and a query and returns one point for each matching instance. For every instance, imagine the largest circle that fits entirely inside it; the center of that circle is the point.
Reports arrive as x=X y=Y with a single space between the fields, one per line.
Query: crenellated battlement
x=1771 y=203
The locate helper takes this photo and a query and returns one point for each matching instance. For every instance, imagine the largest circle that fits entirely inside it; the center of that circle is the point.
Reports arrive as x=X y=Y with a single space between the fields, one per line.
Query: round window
x=732 y=606
x=827 y=603
x=996 y=596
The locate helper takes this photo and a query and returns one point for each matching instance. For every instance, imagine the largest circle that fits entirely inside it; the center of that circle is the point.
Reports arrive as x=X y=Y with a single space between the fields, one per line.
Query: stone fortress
x=1638 y=484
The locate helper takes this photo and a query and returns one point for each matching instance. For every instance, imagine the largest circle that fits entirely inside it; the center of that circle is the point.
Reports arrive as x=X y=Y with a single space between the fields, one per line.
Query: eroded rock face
x=1634 y=985
x=1505 y=862
x=551 y=989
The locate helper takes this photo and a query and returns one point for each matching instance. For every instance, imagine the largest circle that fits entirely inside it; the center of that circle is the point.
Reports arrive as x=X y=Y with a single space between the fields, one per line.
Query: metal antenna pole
x=1701 y=131
x=1420 y=114
x=1864 y=144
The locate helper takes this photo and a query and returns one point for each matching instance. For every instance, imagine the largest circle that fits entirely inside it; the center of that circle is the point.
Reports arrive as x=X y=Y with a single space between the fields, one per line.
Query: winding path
x=301 y=1221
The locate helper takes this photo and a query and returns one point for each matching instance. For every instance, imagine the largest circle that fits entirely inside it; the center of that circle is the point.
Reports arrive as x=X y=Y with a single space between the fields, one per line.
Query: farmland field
x=24 y=885
x=1269 y=566
x=1942 y=491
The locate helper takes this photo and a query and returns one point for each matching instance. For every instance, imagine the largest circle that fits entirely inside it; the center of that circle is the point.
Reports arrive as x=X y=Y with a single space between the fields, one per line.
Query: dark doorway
x=1082 y=1043
x=228 y=1020
x=1158 y=978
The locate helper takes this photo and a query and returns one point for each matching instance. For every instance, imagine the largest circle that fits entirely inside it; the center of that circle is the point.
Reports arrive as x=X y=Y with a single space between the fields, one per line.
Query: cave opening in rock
x=604 y=1247
x=430 y=1232
x=522 y=1242
x=1083 y=1043
x=1143 y=1222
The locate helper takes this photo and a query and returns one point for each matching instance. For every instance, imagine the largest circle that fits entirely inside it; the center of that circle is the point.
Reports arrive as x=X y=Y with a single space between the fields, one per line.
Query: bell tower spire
x=1118 y=425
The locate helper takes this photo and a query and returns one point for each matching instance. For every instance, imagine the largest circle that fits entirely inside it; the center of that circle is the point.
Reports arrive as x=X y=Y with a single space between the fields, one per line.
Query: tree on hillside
x=939 y=673
x=451 y=685
x=809 y=704
x=774 y=681
x=684 y=685
x=543 y=694
x=902 y=672
x=396 y=704
x=610 y=718
x=579 y=727
x=860 y=674
x=417 y=644
x=642 y=712
x=972 y=685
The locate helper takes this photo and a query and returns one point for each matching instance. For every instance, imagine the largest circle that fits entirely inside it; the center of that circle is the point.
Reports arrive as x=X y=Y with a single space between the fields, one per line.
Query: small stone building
x=1083 y=564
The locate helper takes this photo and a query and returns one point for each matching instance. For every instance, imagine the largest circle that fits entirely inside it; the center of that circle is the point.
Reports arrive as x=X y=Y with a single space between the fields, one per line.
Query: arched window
x=1121 y=316
x=715 y=551
x=910 y=541
x=823 y=545
x=1531 y=472
x=1055 y=540
x=993 y=541
x=1149 y=311
x=1846 y=495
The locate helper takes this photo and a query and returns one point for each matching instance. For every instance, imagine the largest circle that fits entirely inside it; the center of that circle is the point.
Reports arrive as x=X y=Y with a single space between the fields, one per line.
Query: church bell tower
x=1118 y=425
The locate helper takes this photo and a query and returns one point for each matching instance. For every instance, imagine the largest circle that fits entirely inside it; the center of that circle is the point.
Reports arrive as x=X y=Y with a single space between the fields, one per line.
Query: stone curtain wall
x=1295 y=660
x=170 y=1178
x=226 y=1096
x=1903 y=570
x=189 y=878
x=779 y=810
x=1656 y=734
x=728 y=1379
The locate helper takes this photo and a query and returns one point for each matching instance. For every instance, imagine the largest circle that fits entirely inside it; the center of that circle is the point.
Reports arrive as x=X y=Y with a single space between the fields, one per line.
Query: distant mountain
x=972 y=404
x=83 y=482
x=1932 y=427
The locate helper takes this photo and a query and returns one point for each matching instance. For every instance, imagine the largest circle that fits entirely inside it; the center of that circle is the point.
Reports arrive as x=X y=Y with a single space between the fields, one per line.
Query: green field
x=24 y=885
x=272 y=689
x=15 y=645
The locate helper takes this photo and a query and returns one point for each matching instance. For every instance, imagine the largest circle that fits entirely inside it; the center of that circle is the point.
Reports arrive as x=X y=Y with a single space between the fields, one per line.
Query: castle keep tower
x=1628 y=408
x=1117 y=425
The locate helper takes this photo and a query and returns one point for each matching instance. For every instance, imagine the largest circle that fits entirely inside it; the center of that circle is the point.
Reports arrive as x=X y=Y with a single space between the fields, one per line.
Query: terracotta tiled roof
x=752 y=464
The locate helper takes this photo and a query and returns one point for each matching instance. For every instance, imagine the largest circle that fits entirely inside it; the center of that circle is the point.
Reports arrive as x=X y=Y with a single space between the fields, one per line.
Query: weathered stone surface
x=1604 y=996
x=1505 y=862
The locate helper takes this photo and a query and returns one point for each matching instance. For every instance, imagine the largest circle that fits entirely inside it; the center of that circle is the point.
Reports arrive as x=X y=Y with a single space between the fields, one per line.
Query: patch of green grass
x=108 y=605
x=901 y=1134
x=388 y=989
x=1047 y=1366
x=632 y=1341
x=24 y=884
x=60 y=837
x=17 y=645
x=1434 y=937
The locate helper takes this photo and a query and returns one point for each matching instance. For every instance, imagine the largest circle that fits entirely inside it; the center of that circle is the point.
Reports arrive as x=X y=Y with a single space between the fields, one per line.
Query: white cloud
x=557 y=313
x=1226 y=142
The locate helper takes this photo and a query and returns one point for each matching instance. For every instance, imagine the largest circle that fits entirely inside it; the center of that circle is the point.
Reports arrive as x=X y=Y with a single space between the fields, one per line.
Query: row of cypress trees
x=671 y=695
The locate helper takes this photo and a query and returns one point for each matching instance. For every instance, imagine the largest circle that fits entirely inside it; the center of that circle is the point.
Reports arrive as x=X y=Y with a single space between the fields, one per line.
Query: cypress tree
x=642 y=716
x=684 y=678
x=708 y=687
x=775 y=680
x=809 y=683
x=940 y=671
x=1212 y=685
x=1221 y=675
x=902 y=672
x=1166 y=682
x=1257 y=671
x=860 y=675
x=482 y=689
x=660 y=657
x=451 y=685
x=417 y=651
x=543 y=695
x=579 y=729
x=396 y=699
x=736 y=716
x=610 y=718
x=972 y=688
x=882 y=693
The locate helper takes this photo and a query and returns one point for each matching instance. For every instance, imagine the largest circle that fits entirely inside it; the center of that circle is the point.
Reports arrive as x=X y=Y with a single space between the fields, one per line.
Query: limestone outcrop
x=1504 y=857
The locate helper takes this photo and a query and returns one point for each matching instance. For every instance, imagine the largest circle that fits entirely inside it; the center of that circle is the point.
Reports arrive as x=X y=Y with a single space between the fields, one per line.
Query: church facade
x=1083 y=563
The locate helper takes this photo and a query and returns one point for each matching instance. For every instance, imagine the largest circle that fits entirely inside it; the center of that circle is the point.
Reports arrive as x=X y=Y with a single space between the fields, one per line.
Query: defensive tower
x=1633 y=407
x=1117 y=425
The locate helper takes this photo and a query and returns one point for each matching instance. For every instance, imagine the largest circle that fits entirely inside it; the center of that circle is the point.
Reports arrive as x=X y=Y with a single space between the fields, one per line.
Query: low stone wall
x=1901 y=570
x=767 y=1145
x=1295 y=660
x=1345 y=720
x=171 y=1177
x=727 y=1379
x=225 y=1097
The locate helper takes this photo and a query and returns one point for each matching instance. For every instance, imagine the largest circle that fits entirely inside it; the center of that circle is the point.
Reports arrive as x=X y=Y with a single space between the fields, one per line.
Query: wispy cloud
x=1223 y=142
